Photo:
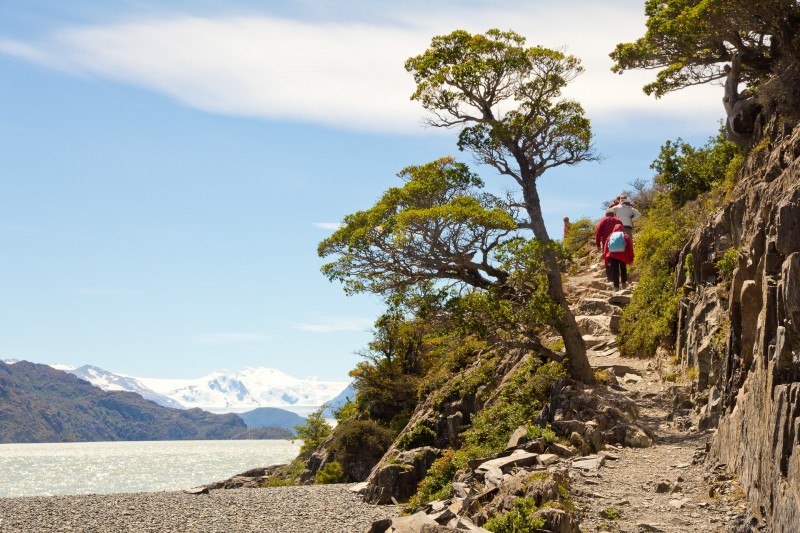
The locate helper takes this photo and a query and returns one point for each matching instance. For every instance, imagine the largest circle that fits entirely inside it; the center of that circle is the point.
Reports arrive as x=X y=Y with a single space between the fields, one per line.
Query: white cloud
x=348 y=74
x=331 y=324
x=333 y=226
x=228 y=338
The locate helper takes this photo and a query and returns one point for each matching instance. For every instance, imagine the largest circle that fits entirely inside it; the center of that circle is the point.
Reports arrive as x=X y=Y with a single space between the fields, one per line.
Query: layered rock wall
x=740 y=331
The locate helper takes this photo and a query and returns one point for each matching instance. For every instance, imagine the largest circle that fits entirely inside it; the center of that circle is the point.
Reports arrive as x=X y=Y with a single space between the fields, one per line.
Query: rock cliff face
x=740 y=331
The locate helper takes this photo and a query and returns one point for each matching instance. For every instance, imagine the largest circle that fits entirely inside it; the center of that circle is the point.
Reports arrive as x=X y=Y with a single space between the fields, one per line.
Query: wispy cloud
x=333 y=226
x=229 y=338
x=331 y=324
x=345 y=74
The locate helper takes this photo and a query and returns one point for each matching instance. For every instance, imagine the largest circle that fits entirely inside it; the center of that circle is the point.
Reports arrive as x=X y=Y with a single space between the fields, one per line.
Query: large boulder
x=398 y=479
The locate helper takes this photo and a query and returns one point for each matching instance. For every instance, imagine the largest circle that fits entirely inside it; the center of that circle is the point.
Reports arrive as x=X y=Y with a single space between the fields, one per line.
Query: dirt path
x=667 y=487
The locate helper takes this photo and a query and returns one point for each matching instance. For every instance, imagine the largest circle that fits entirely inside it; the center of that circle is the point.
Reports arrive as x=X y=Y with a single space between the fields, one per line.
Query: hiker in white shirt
x=627 y=214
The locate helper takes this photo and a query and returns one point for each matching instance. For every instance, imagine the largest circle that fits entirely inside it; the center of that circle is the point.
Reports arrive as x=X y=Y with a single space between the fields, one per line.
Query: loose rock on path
x=664 y=488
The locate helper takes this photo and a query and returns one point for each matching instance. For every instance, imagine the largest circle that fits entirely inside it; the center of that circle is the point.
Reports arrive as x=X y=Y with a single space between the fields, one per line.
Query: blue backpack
x=616 y=242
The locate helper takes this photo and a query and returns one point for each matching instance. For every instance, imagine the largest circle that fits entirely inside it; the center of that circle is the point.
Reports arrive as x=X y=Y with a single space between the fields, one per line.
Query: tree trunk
x=573 y=340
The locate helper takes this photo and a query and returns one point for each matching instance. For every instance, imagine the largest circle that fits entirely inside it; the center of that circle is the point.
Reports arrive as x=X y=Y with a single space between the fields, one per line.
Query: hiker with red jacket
x=618 y=254
x=604 y=229
x=601 y=233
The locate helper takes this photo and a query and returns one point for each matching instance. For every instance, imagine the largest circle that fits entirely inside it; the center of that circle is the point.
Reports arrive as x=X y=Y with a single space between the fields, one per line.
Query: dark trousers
x=617 y=269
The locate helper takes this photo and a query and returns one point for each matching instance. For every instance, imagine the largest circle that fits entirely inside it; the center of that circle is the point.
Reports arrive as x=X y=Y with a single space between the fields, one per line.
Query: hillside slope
x=41 y=404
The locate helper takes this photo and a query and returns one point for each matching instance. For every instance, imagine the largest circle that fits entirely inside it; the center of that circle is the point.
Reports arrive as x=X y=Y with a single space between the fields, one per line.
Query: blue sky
x=168 y=168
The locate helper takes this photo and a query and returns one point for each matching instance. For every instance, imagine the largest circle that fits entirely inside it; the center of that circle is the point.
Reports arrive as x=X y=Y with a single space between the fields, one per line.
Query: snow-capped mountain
x=249 y=388
x=221 y=391
x=109 y=381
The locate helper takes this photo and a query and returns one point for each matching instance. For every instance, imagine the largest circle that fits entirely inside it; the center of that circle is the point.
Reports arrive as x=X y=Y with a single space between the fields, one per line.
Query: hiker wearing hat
x=618 y=254
x=626 y=213
x=604 y=228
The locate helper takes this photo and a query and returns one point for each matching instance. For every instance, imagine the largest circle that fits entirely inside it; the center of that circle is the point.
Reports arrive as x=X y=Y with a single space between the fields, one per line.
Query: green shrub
x=439 y=478
x=345 y=411
x=547 y=433
x=360 y=440
x=330 y=473
x=649 y=319
x=313 y=432
x=611 y=513
x=579 y=240
x=520 y=400
x=687 y=172
x=419 y=435
x=728 y=263
x=520 y=519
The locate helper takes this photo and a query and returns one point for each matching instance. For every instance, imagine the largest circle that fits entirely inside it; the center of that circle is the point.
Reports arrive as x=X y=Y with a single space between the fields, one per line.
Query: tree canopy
x=464 y=79
x=690 y=41
x=686 y=171
x=440 y=226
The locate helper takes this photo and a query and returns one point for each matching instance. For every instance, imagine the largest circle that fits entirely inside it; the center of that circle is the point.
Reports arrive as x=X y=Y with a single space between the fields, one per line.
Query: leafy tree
x=464 y=79
x=313 y=433
x=438 y=226
x=689 y=41
x=686 y=172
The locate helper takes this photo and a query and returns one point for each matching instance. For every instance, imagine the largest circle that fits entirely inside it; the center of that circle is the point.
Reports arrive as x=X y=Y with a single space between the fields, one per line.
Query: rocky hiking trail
x=630 y=459
x=666 y=486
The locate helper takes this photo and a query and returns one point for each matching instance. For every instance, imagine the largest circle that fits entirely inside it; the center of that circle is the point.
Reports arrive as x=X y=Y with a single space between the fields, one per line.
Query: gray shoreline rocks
x=293 y=509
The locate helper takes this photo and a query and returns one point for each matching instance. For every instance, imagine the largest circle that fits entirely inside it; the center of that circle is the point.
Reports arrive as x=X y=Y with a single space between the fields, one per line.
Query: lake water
x=106 y=467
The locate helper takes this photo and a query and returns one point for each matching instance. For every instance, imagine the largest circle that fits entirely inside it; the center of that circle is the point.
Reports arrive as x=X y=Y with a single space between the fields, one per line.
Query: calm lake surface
x=151 y=466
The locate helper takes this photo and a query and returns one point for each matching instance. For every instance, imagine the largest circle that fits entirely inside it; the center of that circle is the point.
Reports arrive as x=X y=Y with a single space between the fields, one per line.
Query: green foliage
x=521 y=306
x=688 y=265
x=519 y=401
x=686 y=171
x=535 y=432
x=360 y=441
x=439 y=478
x=610 y=513
x=386 y=381
x=688 y=40
x=463 y=79
x=685 y=175
x=313 y=432
x=520 y=519
x=649 y=319
x=419 y=435
x=345 y=411
x=451 y=381
x=580 y=238
x=439 y=226
x=728 y=263
x=330 y=473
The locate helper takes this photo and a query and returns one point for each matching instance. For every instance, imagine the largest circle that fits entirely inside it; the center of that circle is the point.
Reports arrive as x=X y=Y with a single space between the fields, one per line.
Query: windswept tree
x=691 y=42
x=439 y=227
x=446 y=256
x=506 y=99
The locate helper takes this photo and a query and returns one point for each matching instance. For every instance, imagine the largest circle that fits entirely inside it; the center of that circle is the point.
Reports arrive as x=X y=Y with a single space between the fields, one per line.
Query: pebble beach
x=295 y=509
